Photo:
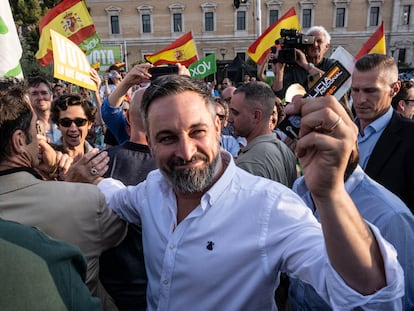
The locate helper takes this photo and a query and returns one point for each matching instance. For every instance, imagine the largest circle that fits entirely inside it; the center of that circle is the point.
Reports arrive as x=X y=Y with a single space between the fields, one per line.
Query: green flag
x=204 y=67
x=10 y=47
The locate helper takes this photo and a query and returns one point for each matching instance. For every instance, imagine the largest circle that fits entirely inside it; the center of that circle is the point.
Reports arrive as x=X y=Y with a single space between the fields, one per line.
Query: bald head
x=228 y=92
x=134 y=117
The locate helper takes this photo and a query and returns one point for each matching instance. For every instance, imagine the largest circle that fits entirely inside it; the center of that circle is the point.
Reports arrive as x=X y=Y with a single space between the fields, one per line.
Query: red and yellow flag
x=260 y=48
x=183 y=51
x=71 y=19
x=375 y=44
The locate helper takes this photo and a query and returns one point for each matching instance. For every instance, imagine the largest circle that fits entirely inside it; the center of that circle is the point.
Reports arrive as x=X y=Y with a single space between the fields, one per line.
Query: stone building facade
x=147 y=26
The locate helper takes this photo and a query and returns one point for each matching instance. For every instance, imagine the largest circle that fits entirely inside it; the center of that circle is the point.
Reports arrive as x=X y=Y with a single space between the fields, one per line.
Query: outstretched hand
x=89 y=168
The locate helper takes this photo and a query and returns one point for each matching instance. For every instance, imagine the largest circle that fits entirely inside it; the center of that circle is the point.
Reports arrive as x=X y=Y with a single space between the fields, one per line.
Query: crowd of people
x=176 y=193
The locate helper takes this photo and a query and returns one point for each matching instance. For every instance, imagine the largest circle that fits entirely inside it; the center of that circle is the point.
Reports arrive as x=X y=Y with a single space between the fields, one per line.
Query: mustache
x=180 y=161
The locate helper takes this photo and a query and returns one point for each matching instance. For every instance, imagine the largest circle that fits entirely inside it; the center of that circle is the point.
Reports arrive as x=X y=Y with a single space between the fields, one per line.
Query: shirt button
x=172 y=246
x=165 y=281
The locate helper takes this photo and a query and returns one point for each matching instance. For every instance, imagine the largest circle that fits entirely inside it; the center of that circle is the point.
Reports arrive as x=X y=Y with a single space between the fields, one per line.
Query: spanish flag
x=260 y=48
x=10 y=47
x=375 y=44
x=71 y=19
x=183 y=51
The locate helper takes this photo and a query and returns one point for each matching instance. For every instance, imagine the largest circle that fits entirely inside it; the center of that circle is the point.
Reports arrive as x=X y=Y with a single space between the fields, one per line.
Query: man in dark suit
x=385 y=138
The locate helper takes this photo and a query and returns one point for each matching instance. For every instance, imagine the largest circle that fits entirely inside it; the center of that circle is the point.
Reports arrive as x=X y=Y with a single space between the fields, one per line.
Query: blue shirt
x=230 y=144
x=387 y=212
x=115 y=121
x=228 y=252
x=372 y=133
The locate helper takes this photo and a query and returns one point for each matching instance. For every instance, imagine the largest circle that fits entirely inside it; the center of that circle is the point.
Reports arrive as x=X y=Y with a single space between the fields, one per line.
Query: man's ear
x=258 y=115
x=401 y=105
x=128 y=118
x=148 y=142
x=395 y=88
x=18 y=142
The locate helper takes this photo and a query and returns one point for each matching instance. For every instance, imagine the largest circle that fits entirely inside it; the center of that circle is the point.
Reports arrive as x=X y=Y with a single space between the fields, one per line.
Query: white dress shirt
x=228 y=252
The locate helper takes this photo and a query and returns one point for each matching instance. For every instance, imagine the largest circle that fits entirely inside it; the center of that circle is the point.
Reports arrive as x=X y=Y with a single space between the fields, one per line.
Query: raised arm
x=327 y=138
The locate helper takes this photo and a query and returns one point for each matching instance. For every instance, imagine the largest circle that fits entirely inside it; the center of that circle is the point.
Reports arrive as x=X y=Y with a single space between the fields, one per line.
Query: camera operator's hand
x=301 y=59
x=303 y=62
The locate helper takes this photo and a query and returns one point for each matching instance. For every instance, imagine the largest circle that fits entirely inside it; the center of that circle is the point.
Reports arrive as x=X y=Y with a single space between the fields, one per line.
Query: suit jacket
x=73 y=212
x=391 y=161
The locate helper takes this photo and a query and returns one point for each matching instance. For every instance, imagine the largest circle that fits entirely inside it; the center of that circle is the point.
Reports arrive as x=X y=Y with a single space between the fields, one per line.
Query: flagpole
x=258 y=18
x=125 y=56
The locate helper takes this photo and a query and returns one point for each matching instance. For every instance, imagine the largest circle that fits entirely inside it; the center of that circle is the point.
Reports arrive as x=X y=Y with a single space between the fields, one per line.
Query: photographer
x=309 y=62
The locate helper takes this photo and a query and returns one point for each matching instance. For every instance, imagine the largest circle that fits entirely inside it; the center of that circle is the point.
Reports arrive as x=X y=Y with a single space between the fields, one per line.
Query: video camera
x=290 y=39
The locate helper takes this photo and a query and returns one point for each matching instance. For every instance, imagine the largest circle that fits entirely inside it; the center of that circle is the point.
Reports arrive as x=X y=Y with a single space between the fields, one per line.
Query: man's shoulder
x=399 y=126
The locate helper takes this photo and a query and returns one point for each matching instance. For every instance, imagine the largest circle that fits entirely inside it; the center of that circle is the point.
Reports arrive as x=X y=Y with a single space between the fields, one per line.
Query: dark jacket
x=391 y=162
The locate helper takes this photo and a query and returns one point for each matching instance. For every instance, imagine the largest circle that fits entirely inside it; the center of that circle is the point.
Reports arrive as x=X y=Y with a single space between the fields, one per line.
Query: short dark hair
x=171 y=85
x=15 y=114
x=406 y=85
x=62 y=102
x=260 y=94
x=37 y=80
x=375 y=60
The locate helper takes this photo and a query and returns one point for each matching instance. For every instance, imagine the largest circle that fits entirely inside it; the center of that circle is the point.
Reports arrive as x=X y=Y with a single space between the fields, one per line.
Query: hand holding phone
x=162 y=71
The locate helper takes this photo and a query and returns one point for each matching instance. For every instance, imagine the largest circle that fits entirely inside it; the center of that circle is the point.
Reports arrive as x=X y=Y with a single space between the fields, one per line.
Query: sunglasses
x=66 y=122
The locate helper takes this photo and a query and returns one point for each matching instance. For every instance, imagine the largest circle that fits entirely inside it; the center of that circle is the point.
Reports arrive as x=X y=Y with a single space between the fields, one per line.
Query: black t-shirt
x=295 y=74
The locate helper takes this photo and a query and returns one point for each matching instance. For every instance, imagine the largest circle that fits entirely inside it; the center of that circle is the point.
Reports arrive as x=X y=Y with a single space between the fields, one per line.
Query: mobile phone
x=162 y=71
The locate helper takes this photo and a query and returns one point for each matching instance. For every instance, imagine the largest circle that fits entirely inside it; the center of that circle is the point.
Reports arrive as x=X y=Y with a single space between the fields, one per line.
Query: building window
x=340 y=17
x=241 y=20
x=145 y=15
x=374 y=16
x=115 y=25
x=241 y=55
x=273 y=16
x=401 y=56
x=306 y=18
x=146 y=23
x=406 y=14
x=209 y=21
x=177 y=22
x=177 y=17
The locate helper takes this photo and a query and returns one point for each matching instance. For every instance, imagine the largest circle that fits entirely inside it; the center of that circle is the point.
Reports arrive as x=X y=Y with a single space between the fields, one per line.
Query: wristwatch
x=310 y=66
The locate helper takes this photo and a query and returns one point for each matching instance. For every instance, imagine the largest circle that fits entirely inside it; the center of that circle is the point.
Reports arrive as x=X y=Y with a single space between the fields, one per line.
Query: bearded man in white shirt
x=216 y=237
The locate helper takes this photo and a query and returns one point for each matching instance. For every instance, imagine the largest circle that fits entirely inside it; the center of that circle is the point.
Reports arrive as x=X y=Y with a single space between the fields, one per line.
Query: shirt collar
x=380 y=123
x=259 y=139
x=21 y=169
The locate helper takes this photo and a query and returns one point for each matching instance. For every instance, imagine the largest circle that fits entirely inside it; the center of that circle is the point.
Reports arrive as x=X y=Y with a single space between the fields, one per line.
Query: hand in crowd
x=96 y=78
x=51 y=162
x=183 y=70
x=89 y=168
x=301 y=58
x=326 y=139
x=138 y=74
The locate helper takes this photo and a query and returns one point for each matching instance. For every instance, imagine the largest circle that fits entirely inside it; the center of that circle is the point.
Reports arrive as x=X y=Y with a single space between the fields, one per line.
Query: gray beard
x=194 y=180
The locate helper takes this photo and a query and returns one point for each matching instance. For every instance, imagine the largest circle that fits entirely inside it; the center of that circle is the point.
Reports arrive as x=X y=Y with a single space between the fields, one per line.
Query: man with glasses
x=385 y=137
x=41 y=97
x=74 y=116
x=403 y=102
